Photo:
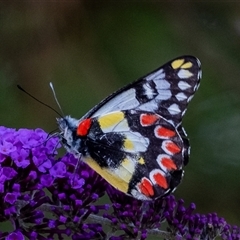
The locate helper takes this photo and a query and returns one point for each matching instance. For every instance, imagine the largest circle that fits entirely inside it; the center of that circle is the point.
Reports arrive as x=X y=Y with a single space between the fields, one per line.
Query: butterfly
x=134 y=138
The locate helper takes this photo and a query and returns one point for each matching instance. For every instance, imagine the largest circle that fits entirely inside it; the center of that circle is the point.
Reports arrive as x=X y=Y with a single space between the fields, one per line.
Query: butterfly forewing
x=134 y=138
x=166 y=91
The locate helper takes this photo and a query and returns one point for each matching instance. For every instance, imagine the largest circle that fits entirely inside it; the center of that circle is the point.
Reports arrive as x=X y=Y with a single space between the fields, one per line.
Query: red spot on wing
x=172 y=147
x=146 y=188
x=148 y=119
x=168 y=163
x=160 y=180
x=83 y=127
x=163 y=132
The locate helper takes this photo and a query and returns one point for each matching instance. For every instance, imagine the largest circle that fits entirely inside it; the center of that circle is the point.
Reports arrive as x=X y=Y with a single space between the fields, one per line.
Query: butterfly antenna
x=55 y=97
x=19 y=87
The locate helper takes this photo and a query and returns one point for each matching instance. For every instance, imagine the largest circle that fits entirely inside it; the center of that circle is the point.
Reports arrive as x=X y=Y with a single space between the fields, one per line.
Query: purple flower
x=15 y=236
x=20 y=158
x=58 y=170
x=45 y=197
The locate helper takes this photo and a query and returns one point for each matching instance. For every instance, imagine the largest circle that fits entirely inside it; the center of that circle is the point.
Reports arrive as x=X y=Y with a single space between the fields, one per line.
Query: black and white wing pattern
x=165 y=91
x=134 y=138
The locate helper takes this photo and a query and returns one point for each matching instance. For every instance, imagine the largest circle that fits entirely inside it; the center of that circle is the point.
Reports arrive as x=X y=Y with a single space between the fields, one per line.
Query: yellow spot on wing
x=187 y=65
x=110 y=120
x=141 y=161
x=126 y=169
x=177 y=63
x=119 y=178
x=128 y=144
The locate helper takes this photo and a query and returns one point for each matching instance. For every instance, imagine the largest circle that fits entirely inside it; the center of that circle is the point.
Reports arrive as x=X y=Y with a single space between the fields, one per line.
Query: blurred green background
x=89 y=49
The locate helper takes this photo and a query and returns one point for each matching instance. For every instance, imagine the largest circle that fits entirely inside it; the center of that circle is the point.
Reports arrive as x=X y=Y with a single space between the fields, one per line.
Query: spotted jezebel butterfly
x=134 y=138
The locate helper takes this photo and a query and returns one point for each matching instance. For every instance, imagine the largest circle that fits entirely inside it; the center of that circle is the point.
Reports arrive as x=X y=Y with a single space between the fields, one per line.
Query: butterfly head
x=68 y=134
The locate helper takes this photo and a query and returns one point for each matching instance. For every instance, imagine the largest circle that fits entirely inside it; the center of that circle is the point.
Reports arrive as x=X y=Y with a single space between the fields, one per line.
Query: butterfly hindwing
x=160 y=168
x=131 y=148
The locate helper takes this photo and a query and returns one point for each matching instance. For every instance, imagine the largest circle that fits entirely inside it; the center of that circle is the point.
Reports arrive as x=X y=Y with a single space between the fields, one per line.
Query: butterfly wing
x=165 y=91
x=137 y=152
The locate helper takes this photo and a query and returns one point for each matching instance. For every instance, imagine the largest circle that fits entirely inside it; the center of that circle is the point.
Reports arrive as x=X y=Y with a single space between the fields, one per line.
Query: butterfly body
x=134 y=138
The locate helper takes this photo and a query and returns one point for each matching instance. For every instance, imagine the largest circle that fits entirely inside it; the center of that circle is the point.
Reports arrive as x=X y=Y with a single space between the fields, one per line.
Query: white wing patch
x=151 y=106
x=181 y=96
x=149 y=91
x=126 y=169
x=135 y=142
x=123 y=101
x=183 y=85
x=183 y=73
x=163 y=84
x=190 y=98
x=164 y=94
x=174 y=109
